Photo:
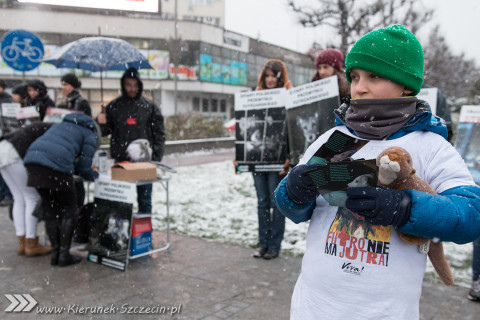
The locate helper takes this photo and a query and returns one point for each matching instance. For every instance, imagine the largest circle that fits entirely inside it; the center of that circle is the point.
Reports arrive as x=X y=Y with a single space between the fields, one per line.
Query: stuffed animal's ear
x=413 y=171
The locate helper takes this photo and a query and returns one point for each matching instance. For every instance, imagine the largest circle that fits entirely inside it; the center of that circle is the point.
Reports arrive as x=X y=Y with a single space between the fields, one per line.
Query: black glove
x=380 y=205
x=300 y=187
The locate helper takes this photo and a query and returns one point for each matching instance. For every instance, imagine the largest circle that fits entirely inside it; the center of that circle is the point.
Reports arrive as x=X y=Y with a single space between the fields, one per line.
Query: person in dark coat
x=72 y=99
x=51 y=161
x=5 y=194
x=329 y=62
x=13 y=147
x=129 y=117
x=38 y=97
x=19 y=94
x=443 y=111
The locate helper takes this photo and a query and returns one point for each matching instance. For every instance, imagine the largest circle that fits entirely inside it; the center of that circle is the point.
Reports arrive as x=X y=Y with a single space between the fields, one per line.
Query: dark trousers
x=271 y=222
x=476 y=259
x=144 y=198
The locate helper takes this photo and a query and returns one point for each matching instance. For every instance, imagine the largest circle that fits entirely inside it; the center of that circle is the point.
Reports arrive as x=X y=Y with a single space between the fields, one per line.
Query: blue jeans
x=144 y=198
x=271 y=223
x=4 y=191
x=476 y=260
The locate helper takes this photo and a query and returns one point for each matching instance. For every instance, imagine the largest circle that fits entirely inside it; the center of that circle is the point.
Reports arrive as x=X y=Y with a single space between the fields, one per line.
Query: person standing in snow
x=474 y=293
x=51 y=161
x=37 y=96
x=72 y=99
x=129 y=117
x=355 y=264
x=271 y=223
x=329 y=62
x=13 y=147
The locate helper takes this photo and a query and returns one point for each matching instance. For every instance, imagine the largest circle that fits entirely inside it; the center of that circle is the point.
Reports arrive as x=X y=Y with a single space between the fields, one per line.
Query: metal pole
x=175 y=64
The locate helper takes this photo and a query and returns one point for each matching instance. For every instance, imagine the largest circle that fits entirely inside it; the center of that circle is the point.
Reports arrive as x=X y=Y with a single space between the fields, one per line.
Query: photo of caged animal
x=309 y=128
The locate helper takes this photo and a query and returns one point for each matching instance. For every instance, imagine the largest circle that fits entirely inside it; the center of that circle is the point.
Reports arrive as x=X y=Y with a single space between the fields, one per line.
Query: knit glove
x=380 y=205
x=300 y=188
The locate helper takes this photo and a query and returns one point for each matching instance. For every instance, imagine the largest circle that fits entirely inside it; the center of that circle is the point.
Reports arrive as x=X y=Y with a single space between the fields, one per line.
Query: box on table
x=133 y=171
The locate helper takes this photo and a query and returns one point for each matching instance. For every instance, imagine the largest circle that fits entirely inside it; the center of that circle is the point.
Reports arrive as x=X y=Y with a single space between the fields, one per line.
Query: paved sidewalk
x=204 y=279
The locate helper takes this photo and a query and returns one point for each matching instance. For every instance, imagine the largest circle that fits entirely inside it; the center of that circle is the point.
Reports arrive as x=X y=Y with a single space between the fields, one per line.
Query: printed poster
x=9 y=119
x=261 y=130
x=468 y=137
x=56 y=115
x=111 y=223
x=310 y=113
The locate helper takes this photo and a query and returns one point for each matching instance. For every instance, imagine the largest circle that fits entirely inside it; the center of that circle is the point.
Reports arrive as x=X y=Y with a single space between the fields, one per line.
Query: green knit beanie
x=393 y=53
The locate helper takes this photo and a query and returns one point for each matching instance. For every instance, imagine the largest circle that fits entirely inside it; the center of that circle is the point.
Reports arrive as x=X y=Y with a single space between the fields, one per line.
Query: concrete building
x=213 y=63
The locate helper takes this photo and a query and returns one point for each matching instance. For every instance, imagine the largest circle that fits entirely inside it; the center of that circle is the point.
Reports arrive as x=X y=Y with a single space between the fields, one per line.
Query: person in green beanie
x=355 y=265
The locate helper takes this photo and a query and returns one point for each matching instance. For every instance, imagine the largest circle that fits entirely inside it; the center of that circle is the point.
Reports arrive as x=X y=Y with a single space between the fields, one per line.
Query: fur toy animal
x=139 y=151
x=396 y=172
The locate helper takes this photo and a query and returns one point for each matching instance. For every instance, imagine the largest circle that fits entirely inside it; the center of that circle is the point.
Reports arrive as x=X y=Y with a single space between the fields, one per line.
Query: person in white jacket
x=355 y=265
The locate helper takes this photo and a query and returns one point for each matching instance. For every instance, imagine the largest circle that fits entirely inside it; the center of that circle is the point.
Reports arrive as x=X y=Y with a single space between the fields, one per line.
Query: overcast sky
x=272 y=21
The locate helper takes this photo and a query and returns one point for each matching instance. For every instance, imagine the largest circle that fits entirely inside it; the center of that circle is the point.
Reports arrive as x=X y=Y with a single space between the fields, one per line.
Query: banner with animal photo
x=310 y=113
x=111 y=223
x=468 y=135
x=28 y=115
x=261 y=130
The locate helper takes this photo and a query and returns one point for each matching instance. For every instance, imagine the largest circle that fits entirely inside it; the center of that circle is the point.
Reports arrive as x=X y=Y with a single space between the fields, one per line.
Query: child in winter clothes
x=355 y=265
x=51 y=161
x=13 y=147
x=329 y=62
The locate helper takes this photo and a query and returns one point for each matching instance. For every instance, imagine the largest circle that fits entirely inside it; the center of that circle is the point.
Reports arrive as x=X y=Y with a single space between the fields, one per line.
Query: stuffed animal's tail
x=440 y=263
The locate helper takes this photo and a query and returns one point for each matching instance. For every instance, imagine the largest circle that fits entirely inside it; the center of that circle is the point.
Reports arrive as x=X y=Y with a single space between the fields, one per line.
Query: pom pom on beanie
x=393 y=53
x=72 y=80
x=331 y=57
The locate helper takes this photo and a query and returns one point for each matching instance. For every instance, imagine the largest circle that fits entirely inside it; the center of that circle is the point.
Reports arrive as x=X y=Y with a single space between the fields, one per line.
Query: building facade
x=213 y=63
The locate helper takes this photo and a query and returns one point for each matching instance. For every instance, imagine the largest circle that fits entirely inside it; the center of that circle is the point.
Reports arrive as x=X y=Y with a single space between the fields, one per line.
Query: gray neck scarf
x=376 y=119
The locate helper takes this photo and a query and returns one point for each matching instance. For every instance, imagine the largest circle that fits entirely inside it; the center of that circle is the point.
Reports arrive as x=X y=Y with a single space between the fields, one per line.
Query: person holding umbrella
x=129 y=117
x=72 y=99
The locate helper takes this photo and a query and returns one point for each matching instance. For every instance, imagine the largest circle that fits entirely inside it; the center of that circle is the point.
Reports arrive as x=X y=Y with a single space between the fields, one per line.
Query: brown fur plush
x=396 y=172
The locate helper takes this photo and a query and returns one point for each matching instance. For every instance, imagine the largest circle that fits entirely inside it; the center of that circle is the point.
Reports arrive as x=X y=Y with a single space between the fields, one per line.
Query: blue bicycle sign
x=22 y=50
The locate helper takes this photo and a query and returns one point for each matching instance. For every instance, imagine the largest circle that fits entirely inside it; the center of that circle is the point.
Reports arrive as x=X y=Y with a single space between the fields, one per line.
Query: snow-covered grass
x=211 y=201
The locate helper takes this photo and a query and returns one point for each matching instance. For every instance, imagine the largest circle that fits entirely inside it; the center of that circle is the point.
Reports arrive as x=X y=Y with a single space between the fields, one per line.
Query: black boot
x=64 y=257
x=52 y=227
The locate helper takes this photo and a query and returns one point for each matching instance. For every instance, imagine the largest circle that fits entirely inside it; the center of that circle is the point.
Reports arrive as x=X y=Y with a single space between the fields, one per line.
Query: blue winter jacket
x=459 y=207
x=67 y=147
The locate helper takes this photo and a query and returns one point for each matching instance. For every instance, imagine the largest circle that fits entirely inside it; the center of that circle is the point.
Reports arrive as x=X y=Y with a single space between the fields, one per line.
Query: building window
x=223 y=106
x=196 y=104
x=214 y=105
x=204 y=105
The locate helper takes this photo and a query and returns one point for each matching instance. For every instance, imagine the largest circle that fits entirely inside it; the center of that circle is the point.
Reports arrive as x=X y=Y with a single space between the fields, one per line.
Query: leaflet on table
x=310 y=114
x=260 y=129
x=467 y=137
x=337 y=171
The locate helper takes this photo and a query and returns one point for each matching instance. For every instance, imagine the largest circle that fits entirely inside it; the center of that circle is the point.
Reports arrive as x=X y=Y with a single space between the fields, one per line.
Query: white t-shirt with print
x=354 y=270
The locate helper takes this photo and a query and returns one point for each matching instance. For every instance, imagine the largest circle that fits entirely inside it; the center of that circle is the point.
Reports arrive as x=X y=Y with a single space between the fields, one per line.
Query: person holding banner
x=329 y=62
x=355 y=264
x=38 y=97
x=51 y=161
x=19 y=94
x=271 y=223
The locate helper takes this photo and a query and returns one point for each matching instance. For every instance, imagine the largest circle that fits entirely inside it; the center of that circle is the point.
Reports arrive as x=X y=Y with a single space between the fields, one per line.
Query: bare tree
x=351 y=19
x=454 y=74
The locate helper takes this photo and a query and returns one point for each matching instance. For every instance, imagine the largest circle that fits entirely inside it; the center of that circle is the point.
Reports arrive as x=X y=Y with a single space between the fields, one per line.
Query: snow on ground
x=211 y=201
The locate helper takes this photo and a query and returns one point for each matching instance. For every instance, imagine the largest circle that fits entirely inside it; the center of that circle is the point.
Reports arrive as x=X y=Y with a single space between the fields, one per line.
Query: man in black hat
x=72 y=99
x=129 y=117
